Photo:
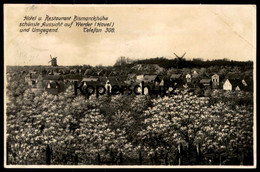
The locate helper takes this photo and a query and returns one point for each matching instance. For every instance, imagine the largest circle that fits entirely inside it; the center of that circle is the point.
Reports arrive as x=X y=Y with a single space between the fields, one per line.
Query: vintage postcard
x=129 y=86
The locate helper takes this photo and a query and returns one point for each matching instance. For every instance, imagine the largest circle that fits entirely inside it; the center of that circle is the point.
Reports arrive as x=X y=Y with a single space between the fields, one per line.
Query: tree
x=97 y=139
x=189 y=120
x=231 y=133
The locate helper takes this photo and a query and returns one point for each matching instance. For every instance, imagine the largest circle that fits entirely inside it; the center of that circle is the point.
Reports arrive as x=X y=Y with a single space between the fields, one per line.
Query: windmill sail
x=179 y=56
x=53 y=61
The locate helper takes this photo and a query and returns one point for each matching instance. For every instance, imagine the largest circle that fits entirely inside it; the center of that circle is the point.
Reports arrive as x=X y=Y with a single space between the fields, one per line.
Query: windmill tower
x=179 y=59
x=53 y=61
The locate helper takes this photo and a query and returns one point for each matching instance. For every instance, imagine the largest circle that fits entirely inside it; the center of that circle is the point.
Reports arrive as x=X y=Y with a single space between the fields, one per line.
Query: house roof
x=195 y=75
x=32 y=71
x=194 y=71
x=88 y=71
x=56 y=84
x=249 y=83
x=205 y=81
x=112 y=80
x=103 y=80
x=236 y=82
x=93 y=83
x=122 y=78
x=188 y=75
x=112 y=73
x=34 y=76
x=52 y=77
x=89 y=79
x=164 y=78
x=131 y=76
x=73 y=76
x=175 y=76
x=101 y=72
x=152 y=86
x=31 y=75
x=149 y=77
x=53 y=85
x=127 y=82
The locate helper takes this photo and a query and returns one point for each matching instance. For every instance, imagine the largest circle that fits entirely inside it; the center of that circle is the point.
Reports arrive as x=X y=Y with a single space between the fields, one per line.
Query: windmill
x=179 y=59
x=53 y=61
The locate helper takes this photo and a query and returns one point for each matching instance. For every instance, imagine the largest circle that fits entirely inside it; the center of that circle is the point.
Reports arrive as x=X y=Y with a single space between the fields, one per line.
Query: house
x=244 y=82
x=215 y=80
x=112 y=81
x=33 y=71
x=121 y=79
x=161 y=80
x=31 y=79
x=55 y=87
x=166 y=81
x=149 y=88
x=101 y=72
x=174 y=77
x=175 y=81
x=90 y=79
x=71 y=78
x=205 y=82
x=178 y=84
x=53 y=84
x=195 y=74
x=109 y=82
x=188 y=77
x=51 y=78
x=139 y=77
x=65 y=71
x=50 y=72
x=161 y=83
x=146 y=89
x=147 y=78
x=157 y=85
x=73 y=71
x=27 y=78
x=113 y=73
x=151 y=79
x=56 y=73
x=89 y=72
x=247 y=84
x=131 y=78
x=91 y=83
x=232 y=84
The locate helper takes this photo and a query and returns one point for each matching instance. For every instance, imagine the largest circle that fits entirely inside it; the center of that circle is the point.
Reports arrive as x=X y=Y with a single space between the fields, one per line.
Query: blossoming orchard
x=180 y=129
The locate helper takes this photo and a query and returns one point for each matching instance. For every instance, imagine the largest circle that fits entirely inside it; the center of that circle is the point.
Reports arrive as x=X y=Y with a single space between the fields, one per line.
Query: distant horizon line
x=134 y=60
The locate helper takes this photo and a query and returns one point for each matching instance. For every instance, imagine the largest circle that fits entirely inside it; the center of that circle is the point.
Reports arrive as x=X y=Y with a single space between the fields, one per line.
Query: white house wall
x=227 y=85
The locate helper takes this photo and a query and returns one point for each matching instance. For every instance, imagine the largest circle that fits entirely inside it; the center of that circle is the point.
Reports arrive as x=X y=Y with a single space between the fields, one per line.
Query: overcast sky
x=207 y=32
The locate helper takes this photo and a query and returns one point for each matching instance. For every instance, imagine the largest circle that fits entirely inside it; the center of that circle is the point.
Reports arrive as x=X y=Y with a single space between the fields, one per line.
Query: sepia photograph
x=129 y=86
